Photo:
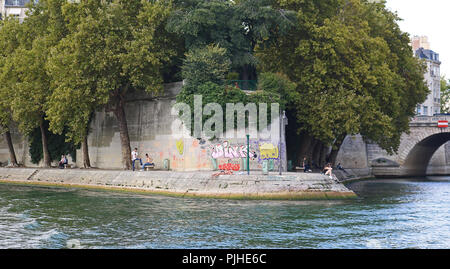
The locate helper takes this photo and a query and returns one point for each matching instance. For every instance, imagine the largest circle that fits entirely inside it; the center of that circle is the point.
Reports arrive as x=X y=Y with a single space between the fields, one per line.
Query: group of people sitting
x=135 y=157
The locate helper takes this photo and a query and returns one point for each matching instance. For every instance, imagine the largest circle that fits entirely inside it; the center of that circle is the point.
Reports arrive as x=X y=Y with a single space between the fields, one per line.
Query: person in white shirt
x=134 y=157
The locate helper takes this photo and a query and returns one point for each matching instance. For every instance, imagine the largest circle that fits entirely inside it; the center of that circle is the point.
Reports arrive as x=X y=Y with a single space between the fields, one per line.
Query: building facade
x=418 y=42
x=15 y=8
x=432 y=104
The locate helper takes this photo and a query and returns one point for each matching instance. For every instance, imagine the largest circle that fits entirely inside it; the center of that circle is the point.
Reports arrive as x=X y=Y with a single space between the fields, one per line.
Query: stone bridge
x=415 y=151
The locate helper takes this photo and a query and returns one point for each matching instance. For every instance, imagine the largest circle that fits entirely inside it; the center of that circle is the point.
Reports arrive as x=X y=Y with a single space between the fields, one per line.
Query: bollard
x=166 y=164
x=265 y=167
x=214 y=164
x=271 y=165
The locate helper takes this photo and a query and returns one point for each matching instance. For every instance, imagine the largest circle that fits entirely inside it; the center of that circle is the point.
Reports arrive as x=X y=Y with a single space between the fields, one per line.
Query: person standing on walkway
x=306 y=167
x=135 y=156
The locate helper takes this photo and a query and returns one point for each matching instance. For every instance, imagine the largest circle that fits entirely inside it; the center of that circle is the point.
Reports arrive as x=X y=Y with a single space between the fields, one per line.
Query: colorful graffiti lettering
x=180 y=146
x=230 y=166
x=224 y=150
x=268 y=151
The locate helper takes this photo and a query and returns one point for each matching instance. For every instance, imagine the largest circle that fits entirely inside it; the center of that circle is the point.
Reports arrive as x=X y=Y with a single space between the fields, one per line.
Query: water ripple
x=388 y=214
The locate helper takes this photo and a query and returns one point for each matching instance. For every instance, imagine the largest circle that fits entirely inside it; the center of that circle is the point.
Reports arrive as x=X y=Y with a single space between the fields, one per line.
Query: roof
x=16 y=3
x=427 y=54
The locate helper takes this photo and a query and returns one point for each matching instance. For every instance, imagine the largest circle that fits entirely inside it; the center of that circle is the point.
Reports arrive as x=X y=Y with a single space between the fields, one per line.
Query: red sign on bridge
x=442 y=124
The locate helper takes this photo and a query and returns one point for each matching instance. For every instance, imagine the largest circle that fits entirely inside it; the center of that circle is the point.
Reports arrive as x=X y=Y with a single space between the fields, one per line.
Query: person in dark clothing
x=306 y=167
x=339 y=167
x=62 y=162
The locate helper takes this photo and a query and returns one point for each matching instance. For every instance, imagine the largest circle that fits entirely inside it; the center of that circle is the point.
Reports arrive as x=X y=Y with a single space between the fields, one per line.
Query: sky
x=430 y=18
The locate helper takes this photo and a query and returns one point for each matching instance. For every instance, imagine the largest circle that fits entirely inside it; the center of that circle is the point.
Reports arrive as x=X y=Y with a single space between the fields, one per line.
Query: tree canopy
x=113 y=49
x=354 y=70
x=445 y=95
x=339 y=67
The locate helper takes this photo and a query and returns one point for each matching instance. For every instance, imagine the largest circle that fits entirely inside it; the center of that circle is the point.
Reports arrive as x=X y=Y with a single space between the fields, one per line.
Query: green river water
x=389 y=213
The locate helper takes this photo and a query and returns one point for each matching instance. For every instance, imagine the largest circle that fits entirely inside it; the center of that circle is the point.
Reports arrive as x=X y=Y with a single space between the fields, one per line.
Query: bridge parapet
x=416 y=149
x=429 y=121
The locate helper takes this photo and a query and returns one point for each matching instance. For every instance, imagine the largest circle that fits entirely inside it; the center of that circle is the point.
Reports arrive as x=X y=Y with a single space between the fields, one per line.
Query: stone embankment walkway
x=289 y=186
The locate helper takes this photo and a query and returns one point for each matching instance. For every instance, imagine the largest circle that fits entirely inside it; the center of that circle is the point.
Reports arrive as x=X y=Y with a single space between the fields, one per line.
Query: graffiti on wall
x=225 y=150
x=180 y=146
x=268 y=151
x=230 y=166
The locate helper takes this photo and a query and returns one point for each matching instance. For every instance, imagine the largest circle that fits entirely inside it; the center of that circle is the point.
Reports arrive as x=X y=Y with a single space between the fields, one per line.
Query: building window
x=425 y=110
x=418 y=110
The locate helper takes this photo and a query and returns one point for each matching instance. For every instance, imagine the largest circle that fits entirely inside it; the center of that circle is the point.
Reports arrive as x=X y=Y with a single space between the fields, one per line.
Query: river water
x=389 y=213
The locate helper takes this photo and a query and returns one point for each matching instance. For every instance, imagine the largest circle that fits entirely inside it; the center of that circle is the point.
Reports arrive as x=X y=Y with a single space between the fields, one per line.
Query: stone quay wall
x=289 y=186
x=149 y=121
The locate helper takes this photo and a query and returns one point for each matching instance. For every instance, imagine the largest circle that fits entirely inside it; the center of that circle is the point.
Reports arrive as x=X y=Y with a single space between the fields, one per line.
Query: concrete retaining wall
x=149 y=123
x=188 y=184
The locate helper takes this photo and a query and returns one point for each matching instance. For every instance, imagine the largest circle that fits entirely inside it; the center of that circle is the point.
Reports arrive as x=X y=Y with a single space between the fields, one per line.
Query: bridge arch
x=415 y=151
x=419 y=156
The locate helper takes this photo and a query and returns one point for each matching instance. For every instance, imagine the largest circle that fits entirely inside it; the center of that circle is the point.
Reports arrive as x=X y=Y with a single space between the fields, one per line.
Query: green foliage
x=205 y=70
x=205 y=64
x=236 y=26
x=232 y=76
x=354 y=70
x=445 y=95
x=26 y=77
x=56 y=146
x=111 y=50
x=271 y=85
x=9 y=33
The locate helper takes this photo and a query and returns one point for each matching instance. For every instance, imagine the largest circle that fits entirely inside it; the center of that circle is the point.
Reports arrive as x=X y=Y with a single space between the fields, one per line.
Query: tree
x=354 y=70
x=29 y=82
x=68 y=84
x=9 y=41
x=115 y=48
x=209 y=63
x=236 y=26
x=445 y=95
x=27 y=79
x=205 y=70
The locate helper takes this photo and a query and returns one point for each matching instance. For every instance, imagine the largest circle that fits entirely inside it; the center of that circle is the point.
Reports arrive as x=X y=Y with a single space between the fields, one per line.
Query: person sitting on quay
x=135 y=156
x=339 y=167
x=149 y=162
x=327 y=170
x=62 y=162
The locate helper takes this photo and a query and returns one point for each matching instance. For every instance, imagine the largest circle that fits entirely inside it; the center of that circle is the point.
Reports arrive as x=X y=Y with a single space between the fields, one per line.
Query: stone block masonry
x=149 y=121
x=289 y=186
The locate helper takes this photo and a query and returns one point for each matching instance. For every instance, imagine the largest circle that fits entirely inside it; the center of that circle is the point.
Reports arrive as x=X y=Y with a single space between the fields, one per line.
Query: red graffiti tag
x=230 y=166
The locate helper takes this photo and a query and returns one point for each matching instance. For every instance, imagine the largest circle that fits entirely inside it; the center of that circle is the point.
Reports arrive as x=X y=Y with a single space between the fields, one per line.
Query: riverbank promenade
x=202 y=184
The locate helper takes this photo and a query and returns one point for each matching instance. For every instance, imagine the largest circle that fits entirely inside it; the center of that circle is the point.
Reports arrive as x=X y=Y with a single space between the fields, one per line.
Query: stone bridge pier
x=415 y=151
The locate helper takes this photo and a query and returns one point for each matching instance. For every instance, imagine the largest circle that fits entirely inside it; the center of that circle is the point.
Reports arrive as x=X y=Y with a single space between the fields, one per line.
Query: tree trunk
x=335 y=150
x=12 y=153
x=85 y=149
x=316 y=153
x=309 y=153
x=323 y=155
x=302 y=150
x=119 y=112
x=47 y=160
